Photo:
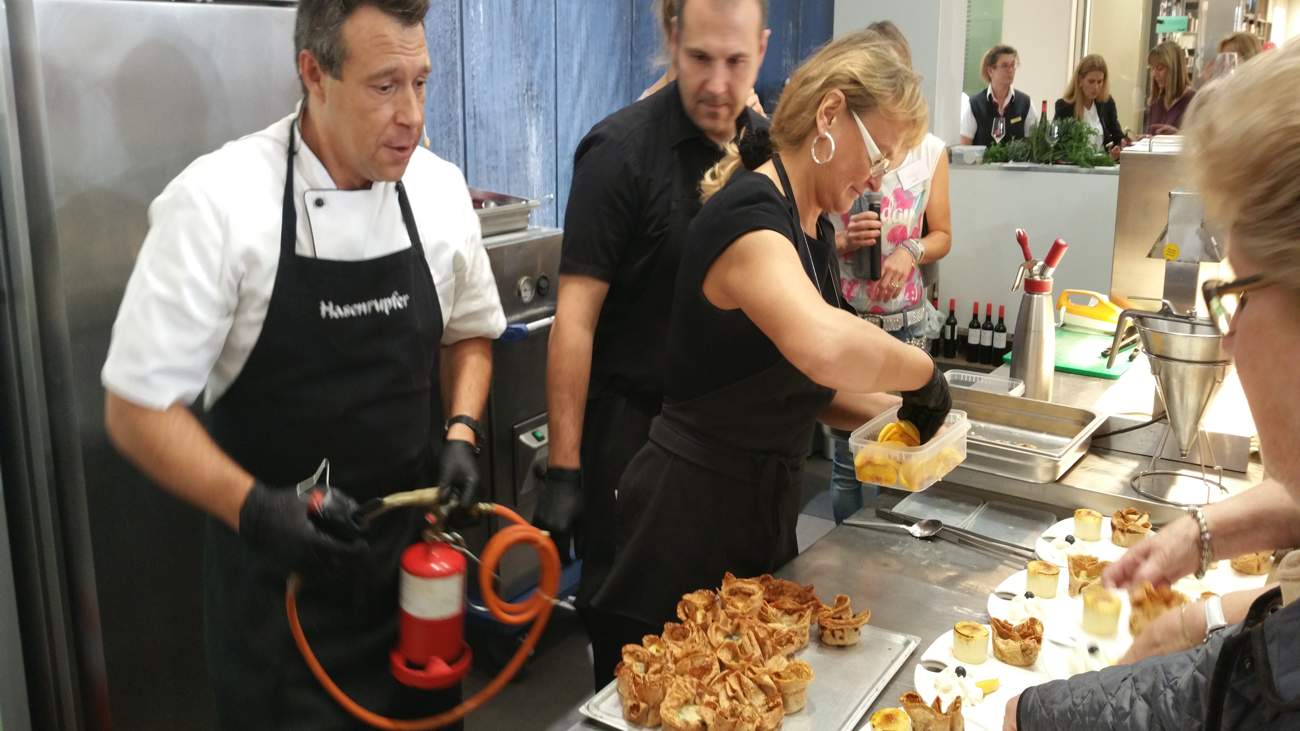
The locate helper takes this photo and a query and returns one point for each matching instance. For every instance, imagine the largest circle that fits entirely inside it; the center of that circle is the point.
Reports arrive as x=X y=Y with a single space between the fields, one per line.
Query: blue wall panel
x=444 y=104
x=593 y=75
x=510 y=111
x=517 y=83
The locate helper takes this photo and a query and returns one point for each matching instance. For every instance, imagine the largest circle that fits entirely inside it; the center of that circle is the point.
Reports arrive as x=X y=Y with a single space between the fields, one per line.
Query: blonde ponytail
x=718 y=175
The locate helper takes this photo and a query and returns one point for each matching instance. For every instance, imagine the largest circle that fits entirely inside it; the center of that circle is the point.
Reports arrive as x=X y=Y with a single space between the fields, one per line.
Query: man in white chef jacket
x=323 y=285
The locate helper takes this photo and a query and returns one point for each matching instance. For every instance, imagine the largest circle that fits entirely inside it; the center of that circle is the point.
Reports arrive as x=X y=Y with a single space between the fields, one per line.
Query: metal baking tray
x=499 y=213
x=1024 y=439
x=846 y=681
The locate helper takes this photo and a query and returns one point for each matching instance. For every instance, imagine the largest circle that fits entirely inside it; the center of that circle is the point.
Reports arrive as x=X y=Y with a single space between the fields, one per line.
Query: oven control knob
x=526 y=290
x=543 y=285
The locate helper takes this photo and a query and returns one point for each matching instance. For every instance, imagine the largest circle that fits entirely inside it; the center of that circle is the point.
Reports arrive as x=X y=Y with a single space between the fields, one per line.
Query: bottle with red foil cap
x=986 y=335
x=973 y=335
x=1000 y=336
x=949 y=333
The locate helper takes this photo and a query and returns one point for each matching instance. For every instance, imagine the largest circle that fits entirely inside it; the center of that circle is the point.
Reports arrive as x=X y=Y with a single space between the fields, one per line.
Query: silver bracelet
x=916 y=249
x=1207 y=551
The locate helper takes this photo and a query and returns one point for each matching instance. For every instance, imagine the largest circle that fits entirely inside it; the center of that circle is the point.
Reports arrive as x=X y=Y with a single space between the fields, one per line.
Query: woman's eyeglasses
x=879 y=163
x=1225 y=299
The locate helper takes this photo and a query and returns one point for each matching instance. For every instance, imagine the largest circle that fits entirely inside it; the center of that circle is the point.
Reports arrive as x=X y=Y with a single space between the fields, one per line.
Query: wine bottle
x=986 y=335
x=949 y=334
x=936 y=342
x=1000 y=336
x=973 y=336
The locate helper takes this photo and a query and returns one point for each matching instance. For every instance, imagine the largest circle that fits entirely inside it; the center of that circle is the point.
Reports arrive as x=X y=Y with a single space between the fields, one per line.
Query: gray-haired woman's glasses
x=1225 y=299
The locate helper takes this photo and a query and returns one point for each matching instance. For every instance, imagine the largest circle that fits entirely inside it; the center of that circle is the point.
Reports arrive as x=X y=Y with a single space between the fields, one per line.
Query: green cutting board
x=1079 y=352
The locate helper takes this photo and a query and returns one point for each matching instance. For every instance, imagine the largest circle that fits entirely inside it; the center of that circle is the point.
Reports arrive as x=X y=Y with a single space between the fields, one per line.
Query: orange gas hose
x=536 y=608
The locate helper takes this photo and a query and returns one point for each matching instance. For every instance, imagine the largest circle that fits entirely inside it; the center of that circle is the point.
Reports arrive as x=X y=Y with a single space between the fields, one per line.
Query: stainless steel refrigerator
x=102 y=102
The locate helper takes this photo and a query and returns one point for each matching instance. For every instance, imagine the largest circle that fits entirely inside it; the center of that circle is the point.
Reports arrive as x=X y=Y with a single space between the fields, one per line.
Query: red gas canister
x=431 y=651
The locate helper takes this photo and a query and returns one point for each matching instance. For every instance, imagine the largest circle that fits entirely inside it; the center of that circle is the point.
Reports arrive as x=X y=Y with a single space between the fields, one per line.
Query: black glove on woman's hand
x=314 y=533
x=927 y=406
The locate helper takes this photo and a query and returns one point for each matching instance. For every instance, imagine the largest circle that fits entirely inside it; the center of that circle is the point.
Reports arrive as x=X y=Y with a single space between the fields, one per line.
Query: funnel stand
x=1135 y=481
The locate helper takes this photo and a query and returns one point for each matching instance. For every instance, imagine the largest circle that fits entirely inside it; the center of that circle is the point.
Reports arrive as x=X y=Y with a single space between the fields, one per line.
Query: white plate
x=987 y=714
x=1065 y=616
x=1102 y=549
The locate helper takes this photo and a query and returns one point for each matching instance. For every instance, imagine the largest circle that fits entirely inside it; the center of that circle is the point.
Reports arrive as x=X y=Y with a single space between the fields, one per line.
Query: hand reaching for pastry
x=1160 y=559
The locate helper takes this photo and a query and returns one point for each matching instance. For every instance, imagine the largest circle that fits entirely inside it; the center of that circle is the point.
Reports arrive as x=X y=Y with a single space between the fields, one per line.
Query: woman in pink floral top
x=914 y=192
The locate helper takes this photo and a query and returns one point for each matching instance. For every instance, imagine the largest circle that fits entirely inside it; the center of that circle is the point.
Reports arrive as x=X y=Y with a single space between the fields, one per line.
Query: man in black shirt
x=635 y=189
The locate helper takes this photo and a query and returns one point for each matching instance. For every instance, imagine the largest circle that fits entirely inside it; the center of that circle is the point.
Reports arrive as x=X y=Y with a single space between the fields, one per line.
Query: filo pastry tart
x=1017 y=644
x=1253 y=564
x=1084 y=571
x=684 y=709
x=1128 y=526
x=792 y=681
x=1150 y=602
x=840 y=627
x=932 y=717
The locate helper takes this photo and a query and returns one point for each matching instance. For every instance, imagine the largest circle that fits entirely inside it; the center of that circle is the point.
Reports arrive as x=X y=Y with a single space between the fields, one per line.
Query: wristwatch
x=473 y=425
x=1214 y=618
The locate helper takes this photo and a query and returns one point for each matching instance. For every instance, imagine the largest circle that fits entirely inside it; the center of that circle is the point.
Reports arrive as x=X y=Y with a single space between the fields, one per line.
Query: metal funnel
x=1186 y=389
x=1189 y=363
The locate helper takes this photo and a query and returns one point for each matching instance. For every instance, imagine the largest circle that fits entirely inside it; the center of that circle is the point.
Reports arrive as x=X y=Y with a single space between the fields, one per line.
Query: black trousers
x=608 y=633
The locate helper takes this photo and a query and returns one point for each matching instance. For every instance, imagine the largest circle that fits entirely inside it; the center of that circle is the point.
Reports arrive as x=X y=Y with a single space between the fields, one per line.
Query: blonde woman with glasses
x=1243 y=666
x=761 y=345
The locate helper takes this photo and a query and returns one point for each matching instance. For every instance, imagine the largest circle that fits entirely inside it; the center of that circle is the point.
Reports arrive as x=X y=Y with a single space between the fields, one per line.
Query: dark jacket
x=1111 y=132
x=1244 y=677
x=985 y=110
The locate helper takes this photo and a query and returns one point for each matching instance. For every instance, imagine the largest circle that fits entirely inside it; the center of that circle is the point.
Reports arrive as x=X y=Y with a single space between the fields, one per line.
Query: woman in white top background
x=1088 y=98
x=914 y=228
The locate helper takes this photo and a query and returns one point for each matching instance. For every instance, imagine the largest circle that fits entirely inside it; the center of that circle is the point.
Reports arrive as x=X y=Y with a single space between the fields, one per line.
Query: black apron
x=357 y=385
x=700 y=500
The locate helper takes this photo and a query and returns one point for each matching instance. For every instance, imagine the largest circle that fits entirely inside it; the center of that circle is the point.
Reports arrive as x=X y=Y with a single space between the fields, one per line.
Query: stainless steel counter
x=912 y=586
x=1100 y=480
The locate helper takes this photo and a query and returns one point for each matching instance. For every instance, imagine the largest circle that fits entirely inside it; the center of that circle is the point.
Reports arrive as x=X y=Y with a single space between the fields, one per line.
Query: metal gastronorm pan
x=1025 y=439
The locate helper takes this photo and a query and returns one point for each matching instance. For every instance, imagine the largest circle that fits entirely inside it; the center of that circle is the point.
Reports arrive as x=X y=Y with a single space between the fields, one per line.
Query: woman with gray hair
x=1245 y=675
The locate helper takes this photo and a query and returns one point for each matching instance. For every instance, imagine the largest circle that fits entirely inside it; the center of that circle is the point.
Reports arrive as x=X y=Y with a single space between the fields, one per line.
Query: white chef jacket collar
x=309 y=166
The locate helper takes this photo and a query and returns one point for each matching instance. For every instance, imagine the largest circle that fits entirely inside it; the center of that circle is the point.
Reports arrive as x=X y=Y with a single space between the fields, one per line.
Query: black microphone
x=873 y=204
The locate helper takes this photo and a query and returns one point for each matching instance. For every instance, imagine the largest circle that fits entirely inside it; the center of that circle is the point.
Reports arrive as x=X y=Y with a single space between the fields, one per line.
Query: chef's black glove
x=458 y=476
x=927 y=406
x=316 y=533
x=559 y=506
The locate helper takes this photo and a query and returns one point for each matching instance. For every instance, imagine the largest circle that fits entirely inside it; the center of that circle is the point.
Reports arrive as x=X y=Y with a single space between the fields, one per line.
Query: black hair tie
x=755 y=147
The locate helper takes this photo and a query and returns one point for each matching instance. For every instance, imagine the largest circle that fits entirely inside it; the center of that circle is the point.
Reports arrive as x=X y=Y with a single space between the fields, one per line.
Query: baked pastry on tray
x=1150 y=602
x=932 y=717
x=1128 y=526
x=1017 y=644
x=840 y=627
x=1084 y=571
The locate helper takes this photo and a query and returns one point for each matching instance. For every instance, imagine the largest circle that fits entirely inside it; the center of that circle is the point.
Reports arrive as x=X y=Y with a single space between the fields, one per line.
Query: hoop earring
x=830 y=157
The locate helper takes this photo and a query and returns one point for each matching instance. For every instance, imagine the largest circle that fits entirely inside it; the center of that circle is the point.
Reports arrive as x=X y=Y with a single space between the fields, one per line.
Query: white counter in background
x=989 y=202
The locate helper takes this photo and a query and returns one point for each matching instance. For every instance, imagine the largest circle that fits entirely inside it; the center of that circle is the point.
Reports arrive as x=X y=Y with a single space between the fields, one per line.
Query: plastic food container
x=908 y=468
x=985 y=382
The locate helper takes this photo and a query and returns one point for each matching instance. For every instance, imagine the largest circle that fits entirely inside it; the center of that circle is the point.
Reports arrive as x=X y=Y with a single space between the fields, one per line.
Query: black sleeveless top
x=709 y=348
x=985 y=109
